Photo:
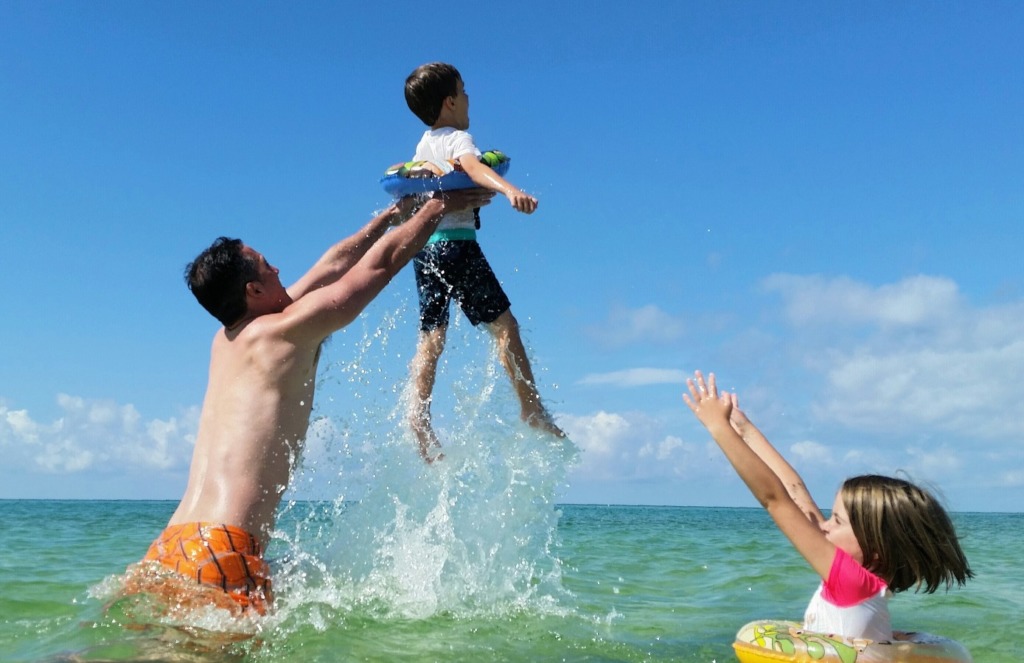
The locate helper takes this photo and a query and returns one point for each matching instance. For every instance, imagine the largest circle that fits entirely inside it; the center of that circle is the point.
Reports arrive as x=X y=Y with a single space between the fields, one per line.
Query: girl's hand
x=737 y=418
x=705 y=402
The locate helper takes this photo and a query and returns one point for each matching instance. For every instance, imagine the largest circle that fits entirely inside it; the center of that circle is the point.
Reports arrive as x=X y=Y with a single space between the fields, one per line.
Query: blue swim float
x=413 y=177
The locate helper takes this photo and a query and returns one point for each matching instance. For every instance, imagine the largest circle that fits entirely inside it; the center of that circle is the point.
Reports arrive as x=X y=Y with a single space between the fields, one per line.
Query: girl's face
x=837 y=530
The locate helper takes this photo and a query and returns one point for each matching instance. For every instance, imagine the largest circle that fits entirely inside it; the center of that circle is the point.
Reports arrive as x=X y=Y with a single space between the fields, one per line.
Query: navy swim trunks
x=457 y=270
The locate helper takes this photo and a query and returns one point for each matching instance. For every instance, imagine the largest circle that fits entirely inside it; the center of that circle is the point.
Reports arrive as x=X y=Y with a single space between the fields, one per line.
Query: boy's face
x=460 y=107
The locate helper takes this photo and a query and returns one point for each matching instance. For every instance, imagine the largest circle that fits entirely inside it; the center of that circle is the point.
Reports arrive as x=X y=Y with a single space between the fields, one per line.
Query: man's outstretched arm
x=340 y=258
x=325 y=309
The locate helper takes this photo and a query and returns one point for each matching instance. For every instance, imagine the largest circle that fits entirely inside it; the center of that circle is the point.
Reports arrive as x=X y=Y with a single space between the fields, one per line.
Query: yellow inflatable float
x=774 y=641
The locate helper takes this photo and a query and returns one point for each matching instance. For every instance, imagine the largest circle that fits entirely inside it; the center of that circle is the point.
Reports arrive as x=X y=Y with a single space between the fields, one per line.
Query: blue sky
x=821 y=202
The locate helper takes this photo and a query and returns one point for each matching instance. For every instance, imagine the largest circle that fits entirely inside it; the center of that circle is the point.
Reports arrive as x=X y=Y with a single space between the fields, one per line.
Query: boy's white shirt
x=439 y=146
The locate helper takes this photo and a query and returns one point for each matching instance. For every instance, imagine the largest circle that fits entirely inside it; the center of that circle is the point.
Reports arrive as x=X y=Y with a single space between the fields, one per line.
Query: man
x=260 y=393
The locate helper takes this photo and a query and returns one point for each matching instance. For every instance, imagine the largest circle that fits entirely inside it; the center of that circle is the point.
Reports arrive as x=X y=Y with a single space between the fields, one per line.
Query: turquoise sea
x=471 y=559
x=430 y=582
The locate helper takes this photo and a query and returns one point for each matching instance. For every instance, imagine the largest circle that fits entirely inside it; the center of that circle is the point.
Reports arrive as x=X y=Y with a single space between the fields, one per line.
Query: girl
x=885 y=534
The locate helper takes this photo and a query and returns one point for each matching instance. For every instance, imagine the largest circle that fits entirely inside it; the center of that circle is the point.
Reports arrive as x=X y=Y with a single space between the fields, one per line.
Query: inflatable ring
x=774 y=641
x=412 y=177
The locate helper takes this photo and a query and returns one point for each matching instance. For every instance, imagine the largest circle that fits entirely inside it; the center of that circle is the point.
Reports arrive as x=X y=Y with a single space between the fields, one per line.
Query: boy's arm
x=483 y=175
x=789 y=477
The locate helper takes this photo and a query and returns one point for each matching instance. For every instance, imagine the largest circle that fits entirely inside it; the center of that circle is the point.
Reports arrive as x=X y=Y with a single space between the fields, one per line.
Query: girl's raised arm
x=714 y=412
x=760 y=445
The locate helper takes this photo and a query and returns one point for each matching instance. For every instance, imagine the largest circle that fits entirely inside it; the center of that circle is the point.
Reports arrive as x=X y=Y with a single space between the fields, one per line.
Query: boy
x=452 y=264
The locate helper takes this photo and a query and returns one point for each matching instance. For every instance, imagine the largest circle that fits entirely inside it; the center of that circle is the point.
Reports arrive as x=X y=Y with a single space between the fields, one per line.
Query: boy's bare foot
x=426 y=440
x=541 y=420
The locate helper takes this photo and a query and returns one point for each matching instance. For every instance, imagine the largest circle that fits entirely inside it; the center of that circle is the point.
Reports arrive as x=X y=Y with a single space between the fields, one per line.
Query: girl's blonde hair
x=906 y=536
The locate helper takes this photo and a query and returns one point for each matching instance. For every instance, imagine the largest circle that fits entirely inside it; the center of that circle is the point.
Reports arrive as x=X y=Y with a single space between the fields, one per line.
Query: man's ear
x=253 y=289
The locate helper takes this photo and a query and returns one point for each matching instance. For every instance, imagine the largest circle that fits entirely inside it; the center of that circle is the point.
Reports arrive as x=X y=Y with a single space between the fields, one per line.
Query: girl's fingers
x=709 y=388
x=701 y=389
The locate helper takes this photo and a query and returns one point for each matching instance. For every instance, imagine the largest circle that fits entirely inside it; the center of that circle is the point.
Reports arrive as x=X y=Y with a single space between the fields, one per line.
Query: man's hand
x=405 y=207
x=441 y=202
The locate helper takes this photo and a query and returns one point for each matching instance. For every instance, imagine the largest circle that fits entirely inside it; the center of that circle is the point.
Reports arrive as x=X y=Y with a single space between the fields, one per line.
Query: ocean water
x=574 y=583
x=471 y=559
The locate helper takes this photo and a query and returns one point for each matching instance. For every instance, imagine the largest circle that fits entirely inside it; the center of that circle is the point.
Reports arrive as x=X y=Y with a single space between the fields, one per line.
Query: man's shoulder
x=274 y=327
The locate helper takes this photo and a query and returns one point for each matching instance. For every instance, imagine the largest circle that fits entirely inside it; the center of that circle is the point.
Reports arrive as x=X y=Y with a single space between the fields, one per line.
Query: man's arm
x=323 y=310
x=340 y=258
x=483 y=175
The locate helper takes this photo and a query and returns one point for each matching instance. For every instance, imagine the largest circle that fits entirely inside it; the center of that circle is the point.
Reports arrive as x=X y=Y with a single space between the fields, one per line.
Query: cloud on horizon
x=905 y=376
x=635 y=377
x=907 y=355
x=95 y=435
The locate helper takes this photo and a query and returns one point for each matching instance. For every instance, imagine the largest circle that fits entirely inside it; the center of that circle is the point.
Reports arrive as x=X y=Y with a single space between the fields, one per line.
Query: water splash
x=473 y=534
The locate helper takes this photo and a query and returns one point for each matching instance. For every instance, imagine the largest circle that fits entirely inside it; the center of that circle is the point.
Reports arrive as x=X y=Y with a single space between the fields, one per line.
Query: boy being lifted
x=452 y=265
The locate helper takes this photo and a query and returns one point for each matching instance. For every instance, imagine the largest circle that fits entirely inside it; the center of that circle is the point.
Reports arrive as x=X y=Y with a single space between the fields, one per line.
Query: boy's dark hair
x=428 y=86
x=217 y=278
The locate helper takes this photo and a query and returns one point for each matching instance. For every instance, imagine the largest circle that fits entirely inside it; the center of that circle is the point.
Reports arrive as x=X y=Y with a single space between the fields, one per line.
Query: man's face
x=267 y=275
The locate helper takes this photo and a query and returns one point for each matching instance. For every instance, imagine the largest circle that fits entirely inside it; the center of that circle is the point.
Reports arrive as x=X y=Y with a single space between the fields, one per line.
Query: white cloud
x=95 y=435
x=908 y=355
x=19 y=424
x=602 y=438
x=919 y=300
x=647 y=324
x=848 y=378
x=938 y=462
x=811 y=454
x=664 y=449
x=628 y=446
x=1009 y=479
x=636 y=377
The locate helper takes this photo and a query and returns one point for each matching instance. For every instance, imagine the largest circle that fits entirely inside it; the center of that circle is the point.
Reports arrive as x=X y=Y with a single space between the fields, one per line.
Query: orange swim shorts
x=221 y=556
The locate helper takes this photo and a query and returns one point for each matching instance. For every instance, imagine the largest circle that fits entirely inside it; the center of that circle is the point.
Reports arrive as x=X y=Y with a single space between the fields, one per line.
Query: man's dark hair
x=428 y=86
x=217 y=278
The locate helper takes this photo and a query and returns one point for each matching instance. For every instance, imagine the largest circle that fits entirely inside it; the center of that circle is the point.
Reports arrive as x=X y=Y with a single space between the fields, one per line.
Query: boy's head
x=430 y=87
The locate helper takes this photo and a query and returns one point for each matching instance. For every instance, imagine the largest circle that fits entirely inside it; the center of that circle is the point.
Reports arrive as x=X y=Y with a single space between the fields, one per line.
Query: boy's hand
x=711 y=409
x=523 y=202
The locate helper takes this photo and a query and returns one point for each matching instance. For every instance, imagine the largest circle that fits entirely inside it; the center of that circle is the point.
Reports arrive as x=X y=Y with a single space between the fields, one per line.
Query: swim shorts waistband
x=452 y=234
x=216 y=555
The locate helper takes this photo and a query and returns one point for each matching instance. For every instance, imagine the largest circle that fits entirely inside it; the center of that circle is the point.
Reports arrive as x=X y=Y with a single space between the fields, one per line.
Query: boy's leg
x=512 y=354
x=434 y=293
x=424 y=371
